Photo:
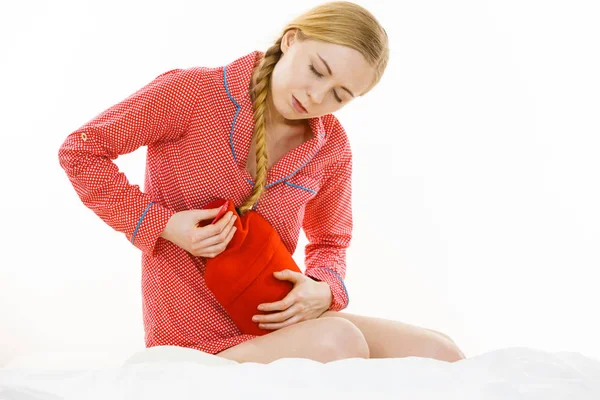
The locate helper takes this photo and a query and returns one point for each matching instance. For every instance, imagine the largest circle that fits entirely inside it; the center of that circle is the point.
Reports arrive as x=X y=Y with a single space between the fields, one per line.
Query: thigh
x=321 y=340
x=388 y=338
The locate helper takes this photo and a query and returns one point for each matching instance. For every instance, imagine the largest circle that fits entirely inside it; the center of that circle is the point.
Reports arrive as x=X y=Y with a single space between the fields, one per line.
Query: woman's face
x=302 y=73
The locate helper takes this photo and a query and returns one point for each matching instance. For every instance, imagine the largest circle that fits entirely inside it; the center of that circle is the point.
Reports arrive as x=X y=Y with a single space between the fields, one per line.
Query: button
x=84 y=136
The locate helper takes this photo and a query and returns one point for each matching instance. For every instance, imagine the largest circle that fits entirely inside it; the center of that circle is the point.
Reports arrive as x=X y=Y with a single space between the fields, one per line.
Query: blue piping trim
x=140 y=221
x=237 y=111
x=341 y=280
x=300 y=187
x=290 y=175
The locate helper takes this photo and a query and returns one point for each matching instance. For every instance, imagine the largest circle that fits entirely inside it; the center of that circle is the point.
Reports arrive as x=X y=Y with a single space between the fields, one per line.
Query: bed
x=170 y=372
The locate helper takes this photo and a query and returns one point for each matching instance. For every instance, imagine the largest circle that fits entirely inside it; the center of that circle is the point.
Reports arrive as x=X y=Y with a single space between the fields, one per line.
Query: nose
x=316 y=94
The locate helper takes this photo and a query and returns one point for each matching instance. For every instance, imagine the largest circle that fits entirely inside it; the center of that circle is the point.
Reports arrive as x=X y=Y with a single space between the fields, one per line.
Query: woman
x=258 y=131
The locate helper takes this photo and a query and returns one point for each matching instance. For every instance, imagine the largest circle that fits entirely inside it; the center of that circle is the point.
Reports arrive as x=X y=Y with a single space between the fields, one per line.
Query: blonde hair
x=339 y=22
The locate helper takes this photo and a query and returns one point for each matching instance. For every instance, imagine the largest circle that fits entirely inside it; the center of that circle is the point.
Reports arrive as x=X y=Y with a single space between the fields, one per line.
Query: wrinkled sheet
x=512 y=373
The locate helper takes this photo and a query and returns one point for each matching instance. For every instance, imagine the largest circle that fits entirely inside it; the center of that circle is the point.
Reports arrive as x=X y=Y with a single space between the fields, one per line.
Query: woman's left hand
x=307 y=300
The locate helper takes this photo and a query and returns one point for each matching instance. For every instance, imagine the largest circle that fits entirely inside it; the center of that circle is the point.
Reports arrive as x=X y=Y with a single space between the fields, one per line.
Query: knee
x=450 y=352
x=341 y=339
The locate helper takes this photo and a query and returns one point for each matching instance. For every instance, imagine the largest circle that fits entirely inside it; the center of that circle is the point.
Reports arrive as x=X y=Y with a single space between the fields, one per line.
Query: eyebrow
x=330 y=73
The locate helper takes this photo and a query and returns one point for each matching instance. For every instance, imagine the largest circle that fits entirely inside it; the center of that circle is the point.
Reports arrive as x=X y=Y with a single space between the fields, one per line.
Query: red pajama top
x=197 y=124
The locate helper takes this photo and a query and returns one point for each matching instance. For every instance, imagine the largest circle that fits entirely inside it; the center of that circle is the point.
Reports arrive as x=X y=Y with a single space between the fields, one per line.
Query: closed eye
x=320 y=76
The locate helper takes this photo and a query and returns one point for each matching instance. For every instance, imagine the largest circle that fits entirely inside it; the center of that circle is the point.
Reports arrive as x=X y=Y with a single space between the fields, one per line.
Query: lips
x=298 y=106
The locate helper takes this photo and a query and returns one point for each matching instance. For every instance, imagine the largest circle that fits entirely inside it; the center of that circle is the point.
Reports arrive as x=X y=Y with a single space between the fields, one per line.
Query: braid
x=342 y=23
x=259 y=93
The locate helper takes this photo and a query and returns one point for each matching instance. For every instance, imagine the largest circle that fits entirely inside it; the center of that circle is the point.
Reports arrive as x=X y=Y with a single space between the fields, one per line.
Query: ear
x=288 y=39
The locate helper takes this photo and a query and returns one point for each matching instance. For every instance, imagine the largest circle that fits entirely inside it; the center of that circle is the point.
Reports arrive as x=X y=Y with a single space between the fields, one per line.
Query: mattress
x=169 y=372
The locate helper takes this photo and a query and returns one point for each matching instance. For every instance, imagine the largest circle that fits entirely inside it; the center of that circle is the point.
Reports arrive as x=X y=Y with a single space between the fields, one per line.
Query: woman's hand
x=307 y=300
x=205 y=241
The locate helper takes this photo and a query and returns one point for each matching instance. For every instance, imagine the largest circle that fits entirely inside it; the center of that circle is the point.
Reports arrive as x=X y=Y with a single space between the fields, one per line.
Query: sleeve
x=327 y=224
x=159 y=111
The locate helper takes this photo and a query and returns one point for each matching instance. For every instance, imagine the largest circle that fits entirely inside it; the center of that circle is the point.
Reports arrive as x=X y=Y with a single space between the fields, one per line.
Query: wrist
x=163 y=234
x=328 y=296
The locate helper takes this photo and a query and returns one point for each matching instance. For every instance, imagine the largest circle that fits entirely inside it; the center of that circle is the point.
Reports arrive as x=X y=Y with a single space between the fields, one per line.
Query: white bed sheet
x=511 y=373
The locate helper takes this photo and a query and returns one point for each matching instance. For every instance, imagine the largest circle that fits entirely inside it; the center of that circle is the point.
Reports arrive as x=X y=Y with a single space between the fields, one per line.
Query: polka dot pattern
x=197 y=124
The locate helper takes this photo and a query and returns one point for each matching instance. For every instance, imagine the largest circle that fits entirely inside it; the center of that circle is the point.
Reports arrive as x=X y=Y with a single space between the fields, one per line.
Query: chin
x=288 y=113
x=297 y=117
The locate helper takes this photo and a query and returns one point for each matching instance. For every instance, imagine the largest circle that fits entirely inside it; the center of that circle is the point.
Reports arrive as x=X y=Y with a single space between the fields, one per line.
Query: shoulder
x=196 y=83
x=194 y=76
x=338 y=142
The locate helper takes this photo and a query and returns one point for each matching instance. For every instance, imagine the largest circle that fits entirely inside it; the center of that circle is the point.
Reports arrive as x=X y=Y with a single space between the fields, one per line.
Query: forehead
x=348 y=66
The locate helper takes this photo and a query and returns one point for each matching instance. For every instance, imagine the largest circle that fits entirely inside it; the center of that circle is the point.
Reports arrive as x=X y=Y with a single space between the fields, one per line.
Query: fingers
x=277 y=317
x=206 y=216
x=278 y=325
x=279 y=320
x=213 y=239
x=218 y=248
x=213 y=234
x=295 y=319
x=219 y=226
x=284 y=304
x=289 y=275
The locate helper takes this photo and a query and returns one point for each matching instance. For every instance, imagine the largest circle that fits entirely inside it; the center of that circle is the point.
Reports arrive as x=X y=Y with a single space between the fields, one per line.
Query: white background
x=476 y=173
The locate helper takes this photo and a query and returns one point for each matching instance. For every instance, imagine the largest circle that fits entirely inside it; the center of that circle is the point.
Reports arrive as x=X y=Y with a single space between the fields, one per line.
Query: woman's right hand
x=205 y=241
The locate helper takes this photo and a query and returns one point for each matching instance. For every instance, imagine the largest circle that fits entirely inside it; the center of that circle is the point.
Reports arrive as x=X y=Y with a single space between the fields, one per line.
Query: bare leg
x=321 y=340
x=387 y=338
x=448 y=337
